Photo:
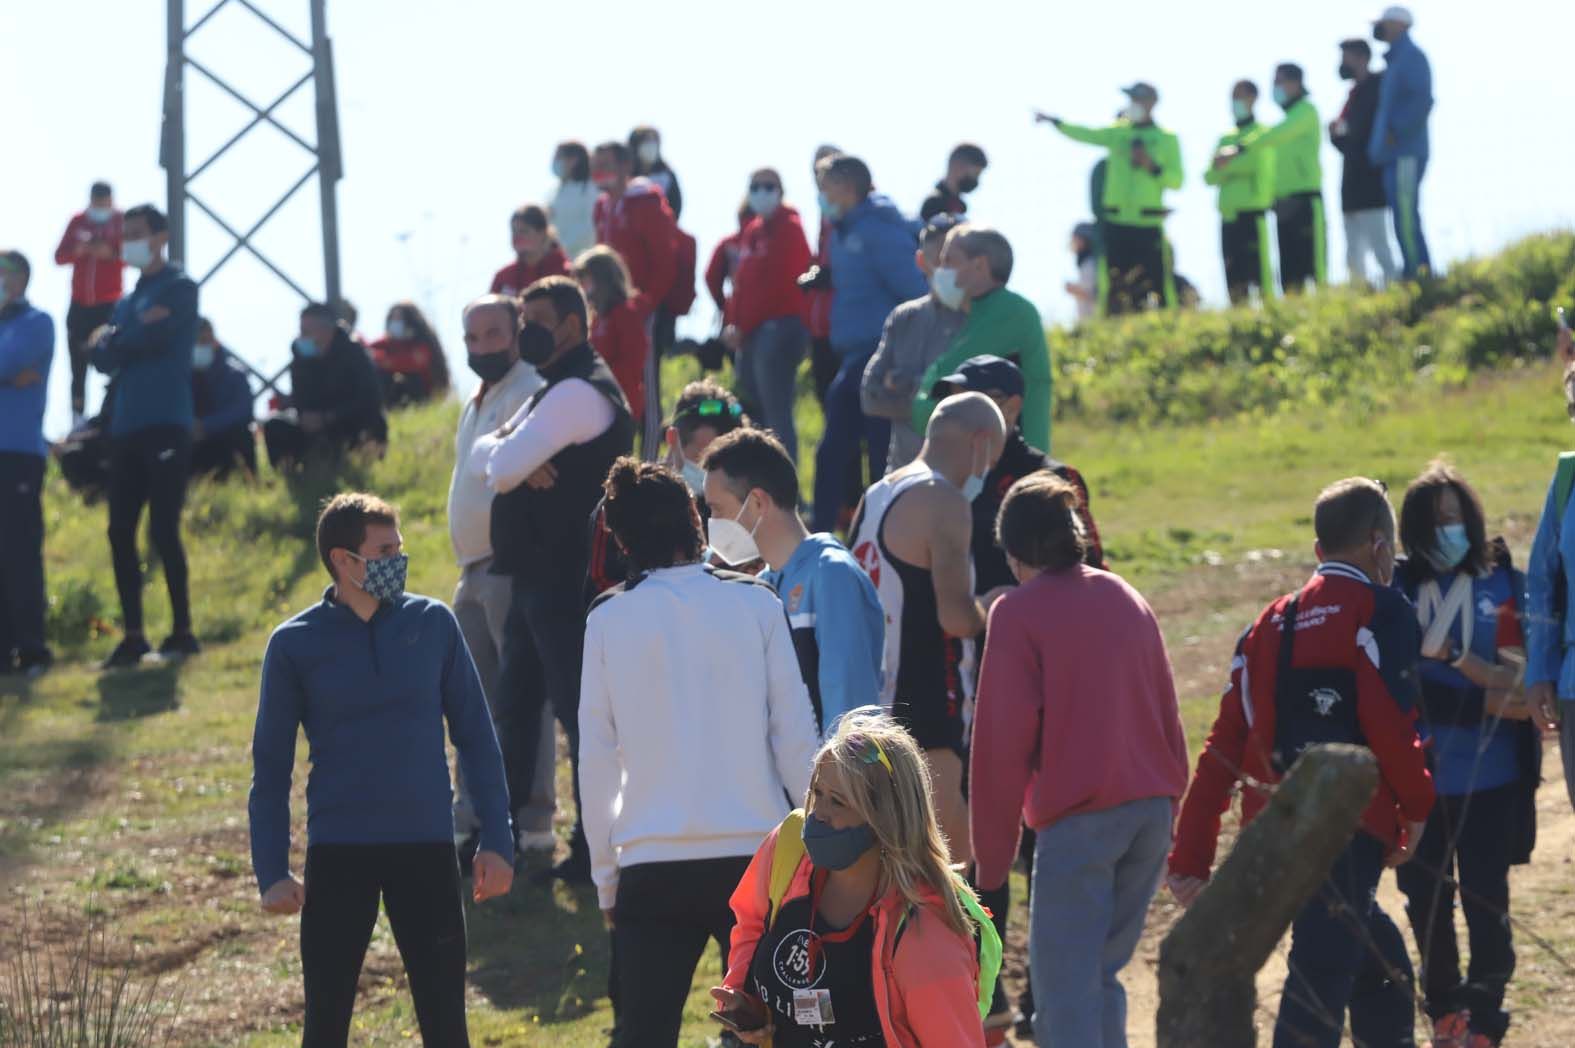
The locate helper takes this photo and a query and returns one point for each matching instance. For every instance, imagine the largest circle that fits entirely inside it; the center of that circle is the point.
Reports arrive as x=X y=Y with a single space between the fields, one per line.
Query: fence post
x=1208 y=962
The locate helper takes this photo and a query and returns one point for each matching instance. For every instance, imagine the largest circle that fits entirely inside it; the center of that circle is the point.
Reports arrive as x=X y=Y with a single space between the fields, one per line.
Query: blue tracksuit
x=839 y=629
x=27 y=343
x=151 y=362
x=373 y=698
x=1399 y=144
x=872 y=271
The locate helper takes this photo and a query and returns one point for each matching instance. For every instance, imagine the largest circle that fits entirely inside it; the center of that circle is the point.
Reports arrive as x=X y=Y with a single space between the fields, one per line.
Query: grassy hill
x=1204 y=439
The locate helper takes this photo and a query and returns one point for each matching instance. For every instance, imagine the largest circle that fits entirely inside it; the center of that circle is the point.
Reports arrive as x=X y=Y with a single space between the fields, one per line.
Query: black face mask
x=1346 y=72
x=1379 y=34
x=967 y=184
x=490 y=367
x=536 y=344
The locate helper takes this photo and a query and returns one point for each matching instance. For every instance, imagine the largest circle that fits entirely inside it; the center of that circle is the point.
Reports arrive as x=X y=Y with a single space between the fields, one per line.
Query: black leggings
x=149 y=467
x=81 y=322
x=419 y=886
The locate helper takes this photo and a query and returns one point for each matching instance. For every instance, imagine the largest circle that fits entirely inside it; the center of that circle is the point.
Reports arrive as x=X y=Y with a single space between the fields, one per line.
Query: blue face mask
x=832 y=849
x=385 y=576
x=305 y=347
x=1451 y=544
x=831 y=211
x=1282 y=97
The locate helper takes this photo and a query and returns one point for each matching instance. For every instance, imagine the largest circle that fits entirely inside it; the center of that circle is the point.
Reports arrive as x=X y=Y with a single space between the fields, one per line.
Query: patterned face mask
x=385 y=576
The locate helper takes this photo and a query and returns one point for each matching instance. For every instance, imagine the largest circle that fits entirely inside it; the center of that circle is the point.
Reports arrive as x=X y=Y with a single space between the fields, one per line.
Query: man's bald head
x=967 y=414
x=964 y=437
x=492 y=325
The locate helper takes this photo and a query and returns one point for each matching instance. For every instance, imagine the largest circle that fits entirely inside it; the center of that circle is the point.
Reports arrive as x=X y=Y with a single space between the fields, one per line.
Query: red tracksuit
x=94 y=281
x=723 y=264
x=520 y=274
x=640 y=226
x=772 y=254
x=619 y=336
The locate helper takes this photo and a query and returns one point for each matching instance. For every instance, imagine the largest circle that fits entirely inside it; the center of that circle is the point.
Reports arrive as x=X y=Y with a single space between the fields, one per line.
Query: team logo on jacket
x=1325 y=700
x=792 y=960
x=795 y=598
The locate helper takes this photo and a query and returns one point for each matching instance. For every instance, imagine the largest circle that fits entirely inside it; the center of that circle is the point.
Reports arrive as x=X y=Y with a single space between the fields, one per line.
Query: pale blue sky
x=450 y=112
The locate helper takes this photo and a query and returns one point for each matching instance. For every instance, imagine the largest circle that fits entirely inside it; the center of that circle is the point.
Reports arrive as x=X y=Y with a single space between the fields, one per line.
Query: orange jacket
x=926 y=993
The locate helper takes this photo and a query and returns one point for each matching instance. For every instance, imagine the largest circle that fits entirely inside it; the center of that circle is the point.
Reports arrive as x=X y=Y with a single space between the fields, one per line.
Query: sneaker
x=179 y=646
x=1451 y=1030
x=127 y=653
x=536 y=840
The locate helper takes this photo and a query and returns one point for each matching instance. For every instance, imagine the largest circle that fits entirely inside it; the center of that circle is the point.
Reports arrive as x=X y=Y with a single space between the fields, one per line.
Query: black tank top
x=842 y=975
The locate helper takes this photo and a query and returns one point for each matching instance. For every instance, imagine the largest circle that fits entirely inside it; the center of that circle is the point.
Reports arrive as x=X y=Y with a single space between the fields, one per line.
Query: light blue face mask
x=1282 y=97
x=831 y=211
x=1451 y=544
x=1241 y=108
x=764 y=202
x=202 y=356
x=305 y=347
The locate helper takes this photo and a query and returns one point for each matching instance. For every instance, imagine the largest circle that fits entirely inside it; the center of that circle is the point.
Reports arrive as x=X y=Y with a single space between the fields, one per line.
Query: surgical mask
x=536 y=344
x=305 y=347
x=1450 y=546
x=1282 y=97
x=694 y=476
x=1346 y=71
x=1137 y=112
x=397 y=328
x=100 y=214
x=202 y=356
x=1241 y=109
x=137 y=253
x=650 y=151
x=764 y=201
x=831 y=211
x=832 y=849
x=490 y=367
x=560 y=169
x=385 y=576
x=944 y=283
x=967 y=184
x=731 y=541
x=973 y=485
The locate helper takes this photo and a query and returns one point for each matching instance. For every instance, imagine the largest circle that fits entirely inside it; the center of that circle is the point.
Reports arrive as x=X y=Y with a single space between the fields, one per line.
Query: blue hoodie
x=872 y=271
x=221 y=394
x=150 y=363
x=372 y=697
x=1405 y=99
x=27 y=343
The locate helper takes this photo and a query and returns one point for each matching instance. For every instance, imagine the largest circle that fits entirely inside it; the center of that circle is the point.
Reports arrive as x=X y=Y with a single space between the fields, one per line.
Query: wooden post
x=1208 y=962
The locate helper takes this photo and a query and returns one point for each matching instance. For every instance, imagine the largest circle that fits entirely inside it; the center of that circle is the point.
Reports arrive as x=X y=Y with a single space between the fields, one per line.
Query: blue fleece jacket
x=150 y=361
x=221 y=394
x=839 y=629
x=872 y=271
x=1405 y=99
x=372 y=697
x=27 y=343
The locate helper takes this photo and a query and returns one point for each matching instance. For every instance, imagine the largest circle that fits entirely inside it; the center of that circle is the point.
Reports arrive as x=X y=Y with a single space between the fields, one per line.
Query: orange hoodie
x=927 y=993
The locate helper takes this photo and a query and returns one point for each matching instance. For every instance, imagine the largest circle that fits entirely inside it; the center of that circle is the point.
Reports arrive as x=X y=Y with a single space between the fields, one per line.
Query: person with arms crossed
x=1362 y=197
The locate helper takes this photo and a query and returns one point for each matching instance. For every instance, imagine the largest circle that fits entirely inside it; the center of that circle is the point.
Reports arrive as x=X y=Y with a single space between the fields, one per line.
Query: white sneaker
x=537 y=840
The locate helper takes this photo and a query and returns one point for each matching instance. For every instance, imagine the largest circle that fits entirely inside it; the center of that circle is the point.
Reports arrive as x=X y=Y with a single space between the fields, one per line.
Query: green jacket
x=1296 y=141
x=1246 y=183
x=1133 y=196
x=1001 y=324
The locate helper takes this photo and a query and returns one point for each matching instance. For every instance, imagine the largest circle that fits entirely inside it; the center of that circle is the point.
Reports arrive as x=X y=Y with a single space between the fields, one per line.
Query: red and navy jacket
x=94 y=281
x=1344 y=622
x=520 y=274
x=640 y=227
x=772 y=254
x=723 y=264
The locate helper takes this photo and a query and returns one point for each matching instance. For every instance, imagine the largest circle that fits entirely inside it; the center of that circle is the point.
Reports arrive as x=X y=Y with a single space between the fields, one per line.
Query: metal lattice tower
x=326 y=165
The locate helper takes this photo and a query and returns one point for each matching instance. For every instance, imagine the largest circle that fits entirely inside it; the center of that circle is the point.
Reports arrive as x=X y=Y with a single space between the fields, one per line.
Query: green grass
x=125 y=793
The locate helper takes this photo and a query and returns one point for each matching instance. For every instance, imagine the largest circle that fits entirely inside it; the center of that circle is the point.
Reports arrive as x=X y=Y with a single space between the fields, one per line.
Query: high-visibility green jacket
x=1246 y=183
x=1296 y=141
x=1133 y=195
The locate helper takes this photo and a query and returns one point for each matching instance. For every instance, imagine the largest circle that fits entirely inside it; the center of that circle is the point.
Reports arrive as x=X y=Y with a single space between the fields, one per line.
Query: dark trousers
x=149 y=468
x=1303 y=250
x=419 y=886
x=1467 y=837
x=823 y=365
x=21 y=557
x=221 y=453
x=1136 y=269
x=665 y=914
x=1347 y=954
x=288 y=444
x=846 y=426
x=81 y=322
x=543 y=642
x=1244 y=243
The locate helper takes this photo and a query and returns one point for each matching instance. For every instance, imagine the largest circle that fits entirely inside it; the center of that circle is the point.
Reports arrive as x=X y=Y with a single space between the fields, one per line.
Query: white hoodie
x=695 y=726
x=571 y=213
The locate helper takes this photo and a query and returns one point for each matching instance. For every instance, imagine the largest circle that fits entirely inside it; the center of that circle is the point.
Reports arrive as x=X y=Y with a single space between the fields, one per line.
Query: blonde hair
x=898 y=805
x=608 y=271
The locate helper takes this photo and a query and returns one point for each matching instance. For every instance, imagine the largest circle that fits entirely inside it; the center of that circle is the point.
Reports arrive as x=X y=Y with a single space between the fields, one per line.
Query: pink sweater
x=1076 y=711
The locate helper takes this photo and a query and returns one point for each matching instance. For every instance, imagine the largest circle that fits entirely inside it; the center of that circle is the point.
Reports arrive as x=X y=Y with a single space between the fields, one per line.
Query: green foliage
x=1363 y=349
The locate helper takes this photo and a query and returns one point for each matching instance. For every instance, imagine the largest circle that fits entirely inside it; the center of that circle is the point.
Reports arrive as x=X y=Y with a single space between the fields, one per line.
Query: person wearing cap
x=1298 y=181
x=27 y=348
x=1246 y=185
x=915 y=335
x=1143 y=161
x=1398 y=143
x=963 y=169
x=1362 y=197
x=976 y=263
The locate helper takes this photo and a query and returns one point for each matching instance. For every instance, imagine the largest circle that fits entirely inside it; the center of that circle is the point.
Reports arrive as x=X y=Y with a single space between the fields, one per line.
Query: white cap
x=1397 y=13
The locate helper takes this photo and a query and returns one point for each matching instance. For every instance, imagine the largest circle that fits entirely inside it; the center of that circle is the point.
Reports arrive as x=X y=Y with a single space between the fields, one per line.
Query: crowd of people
x=823 y=753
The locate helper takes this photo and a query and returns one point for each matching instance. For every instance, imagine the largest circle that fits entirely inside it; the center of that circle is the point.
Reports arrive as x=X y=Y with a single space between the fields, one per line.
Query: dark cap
x=986 y=374
x=1141 y=91
x=1288 y=71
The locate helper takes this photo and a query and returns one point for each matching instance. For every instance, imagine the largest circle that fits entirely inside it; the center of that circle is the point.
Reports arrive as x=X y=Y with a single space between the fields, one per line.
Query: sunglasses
x=869 y=751
x=716 y=409
x=764 y=187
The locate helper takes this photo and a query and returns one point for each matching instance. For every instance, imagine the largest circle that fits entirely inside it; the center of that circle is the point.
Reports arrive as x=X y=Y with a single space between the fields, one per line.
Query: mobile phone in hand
x=738 y=1021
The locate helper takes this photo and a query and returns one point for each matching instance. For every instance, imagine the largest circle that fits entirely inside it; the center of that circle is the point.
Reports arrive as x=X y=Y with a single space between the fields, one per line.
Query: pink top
x=1076 y=711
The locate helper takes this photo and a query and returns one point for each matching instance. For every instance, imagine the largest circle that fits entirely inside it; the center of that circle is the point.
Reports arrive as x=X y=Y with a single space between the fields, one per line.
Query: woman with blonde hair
x=851 y=926
x=618 y=330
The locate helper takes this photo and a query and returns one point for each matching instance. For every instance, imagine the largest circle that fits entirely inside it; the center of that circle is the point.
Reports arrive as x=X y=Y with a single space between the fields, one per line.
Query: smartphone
x=737 y=1021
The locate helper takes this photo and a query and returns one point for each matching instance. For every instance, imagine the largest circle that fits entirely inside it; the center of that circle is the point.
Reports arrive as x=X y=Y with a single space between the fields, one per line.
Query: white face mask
x=1137 y=112
x=100 y=214
x=764 y=202
x=202 y=356
x=650 y=152
x=137 y=253
x=397 y=328
x=973 y=485
x=944 y=283
x=731 y=541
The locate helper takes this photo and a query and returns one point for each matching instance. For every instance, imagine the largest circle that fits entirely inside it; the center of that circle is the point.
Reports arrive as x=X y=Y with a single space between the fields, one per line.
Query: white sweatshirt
x=469 y=500
x=571 y=213
x=572 y=412
x=695 y=726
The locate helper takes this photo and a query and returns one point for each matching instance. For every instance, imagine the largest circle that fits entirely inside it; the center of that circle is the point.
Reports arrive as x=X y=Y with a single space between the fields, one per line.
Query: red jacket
x=620 y=337
x=94 y=281
x=1344 y=622
x=520 y=274
x=772 y=254
x=640 y=226
x=403 y=356
x=926 y=992
x=820 y=301
x=723 y=264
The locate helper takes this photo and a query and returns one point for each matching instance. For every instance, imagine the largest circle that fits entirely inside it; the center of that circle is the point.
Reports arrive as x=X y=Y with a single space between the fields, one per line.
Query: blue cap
x=986 y=374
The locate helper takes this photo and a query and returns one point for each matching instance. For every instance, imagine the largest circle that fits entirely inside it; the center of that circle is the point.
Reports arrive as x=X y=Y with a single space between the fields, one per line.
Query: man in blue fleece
x=372 y=673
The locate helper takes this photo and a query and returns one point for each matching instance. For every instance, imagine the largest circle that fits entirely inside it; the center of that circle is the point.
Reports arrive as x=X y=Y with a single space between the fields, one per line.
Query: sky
x=450 y=112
